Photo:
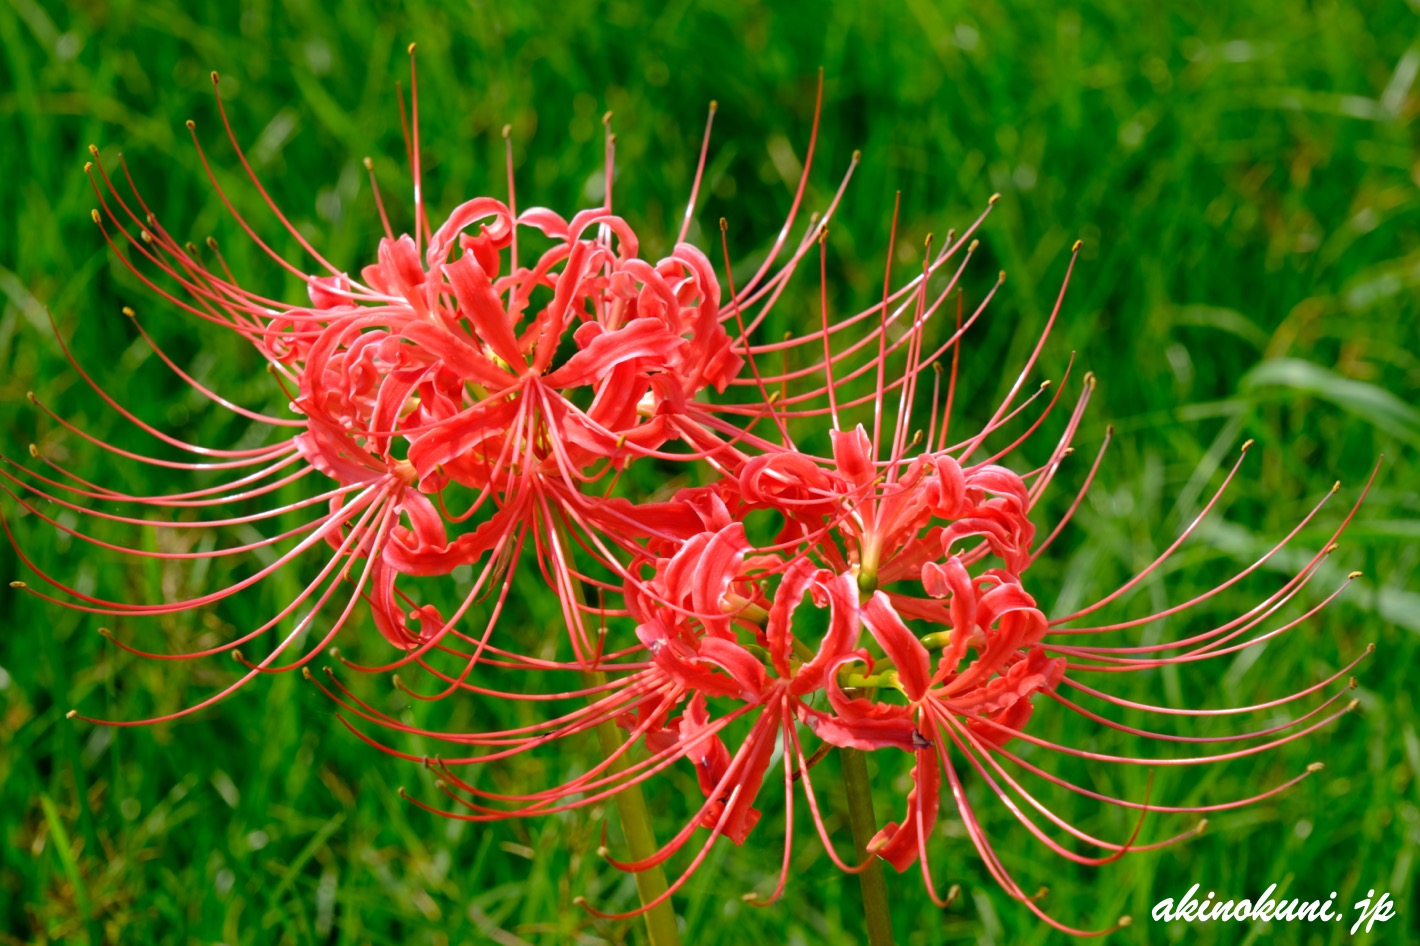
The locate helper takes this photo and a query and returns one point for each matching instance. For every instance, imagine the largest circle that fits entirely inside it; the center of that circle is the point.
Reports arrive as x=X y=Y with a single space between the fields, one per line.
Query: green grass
x=1244 y=176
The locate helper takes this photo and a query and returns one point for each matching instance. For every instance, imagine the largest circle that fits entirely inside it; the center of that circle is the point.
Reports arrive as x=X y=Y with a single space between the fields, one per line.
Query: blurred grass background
x=1244 y=176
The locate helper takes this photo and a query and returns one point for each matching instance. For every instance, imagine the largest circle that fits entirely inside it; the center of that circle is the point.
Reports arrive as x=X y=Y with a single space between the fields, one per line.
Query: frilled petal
x=844 y=627
x=480 y=304
x=413 y=553
x=738 y=663
x=718 y=566
x=455 y=351
x=465 y=215
x=640 y=340
x=853 y=453
x=899 y=844
x=778 y=630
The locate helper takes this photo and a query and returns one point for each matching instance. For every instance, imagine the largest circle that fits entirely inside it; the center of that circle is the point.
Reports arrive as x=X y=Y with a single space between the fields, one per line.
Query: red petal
x=482 y=306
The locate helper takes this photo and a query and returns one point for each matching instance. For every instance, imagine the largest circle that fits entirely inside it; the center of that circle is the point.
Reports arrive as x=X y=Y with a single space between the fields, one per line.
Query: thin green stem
x=630 y=803
x=640 y=838
x=876 y=916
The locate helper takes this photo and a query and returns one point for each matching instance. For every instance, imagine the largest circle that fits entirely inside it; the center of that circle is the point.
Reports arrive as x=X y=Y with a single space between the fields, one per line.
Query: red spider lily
x=892 y=525
x=435 y=368
x=450 y=374
x=897 y=525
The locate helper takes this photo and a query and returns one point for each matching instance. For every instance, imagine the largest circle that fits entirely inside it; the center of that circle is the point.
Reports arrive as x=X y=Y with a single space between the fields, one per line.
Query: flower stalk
x=636 y=827
x=640 y=836
x=876 y=916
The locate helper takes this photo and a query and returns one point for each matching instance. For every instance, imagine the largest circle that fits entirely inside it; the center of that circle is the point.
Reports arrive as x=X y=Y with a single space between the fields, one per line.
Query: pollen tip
x=71 y=714
x=1370 y=648
x=1076 y=247
x=94 y=150
x=410 y=50
x=1352 y=684
x=1202 y=826
x=579 y=901
x=603 y=851
x=214 y=77
x=1336 y=487
x=191 y=125
x=18 y=584
x=34 y=451
x=369 y=163
x=395 y=679
x=724 y=224
x=971 y=247
x=1353 y=576
x=1067 y=452
x=1316 y=766
x=1001 y=276
x=306 y=672
x=1045 y=384
x=507 y=131
x=212 y=243
x=1247 y=443
x=992 y=201
x=1352 y=705
x=105 y=632
x=441 y=785
x=401 y=792
x=1109 y=430
x=88 y=166
x=1332 y=547
x=714 y=105
x=95 y=215
x=30 y=396
x=237 y=656
x=857 y=155
x=1125 y=921
x=750 y=897
x=128 y=311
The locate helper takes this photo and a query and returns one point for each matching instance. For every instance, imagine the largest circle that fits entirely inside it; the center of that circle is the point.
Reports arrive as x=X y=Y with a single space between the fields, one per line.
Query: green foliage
x=1244 y=177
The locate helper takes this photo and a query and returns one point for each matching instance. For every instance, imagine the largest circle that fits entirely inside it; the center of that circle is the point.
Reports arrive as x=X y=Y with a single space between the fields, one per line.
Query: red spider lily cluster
x=469 y=412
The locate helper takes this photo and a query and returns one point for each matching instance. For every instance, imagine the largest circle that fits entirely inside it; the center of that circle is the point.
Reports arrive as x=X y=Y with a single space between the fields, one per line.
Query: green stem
x=640 y=838
x=630 y=803
x=865 y=825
